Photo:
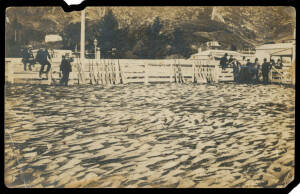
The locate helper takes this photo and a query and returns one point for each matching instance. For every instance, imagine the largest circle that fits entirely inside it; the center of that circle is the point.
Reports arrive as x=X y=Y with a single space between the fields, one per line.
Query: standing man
x=224 y=61
x=42 y=57
x=65 y=68
x=27 y=57
x=256 y=69
x=236 y=70
x=243 y=62
x=266 y=67
x=246 y=74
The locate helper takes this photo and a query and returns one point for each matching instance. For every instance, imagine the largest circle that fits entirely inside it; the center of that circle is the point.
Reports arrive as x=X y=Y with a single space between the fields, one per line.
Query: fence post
x=105 y=72
x=171 y=73
x=10 y=76
x=50 y=77
x=117 y=73
x=146 y=81
x=193 y=75
x=216 y=73
x=90 y=74
x=102 y=72
x=124 y=78
x=82 y=65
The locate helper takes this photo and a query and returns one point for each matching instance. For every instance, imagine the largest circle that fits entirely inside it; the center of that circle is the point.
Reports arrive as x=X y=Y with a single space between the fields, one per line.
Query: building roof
x=283 y=52
x=216 y=52
x=274 y=46
x=53 y=38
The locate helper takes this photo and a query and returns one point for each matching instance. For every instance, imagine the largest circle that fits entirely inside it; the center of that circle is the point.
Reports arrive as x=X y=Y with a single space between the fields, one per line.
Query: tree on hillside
x=179 y=44
x=13 y=38
x=71 y=36
x=108 y=34
x=152 y=42
x=16 y=30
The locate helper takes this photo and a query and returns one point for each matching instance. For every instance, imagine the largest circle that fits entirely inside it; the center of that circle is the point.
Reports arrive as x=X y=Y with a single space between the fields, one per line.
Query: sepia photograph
x=149 y=97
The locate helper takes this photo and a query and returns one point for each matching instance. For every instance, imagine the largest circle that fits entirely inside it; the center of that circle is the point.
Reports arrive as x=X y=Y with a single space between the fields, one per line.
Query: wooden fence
x=123 y=71
x=281 y=76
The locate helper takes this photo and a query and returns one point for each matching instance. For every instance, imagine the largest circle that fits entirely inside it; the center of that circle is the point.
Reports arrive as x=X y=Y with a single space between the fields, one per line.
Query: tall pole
x=82 y=35
x=95 y=44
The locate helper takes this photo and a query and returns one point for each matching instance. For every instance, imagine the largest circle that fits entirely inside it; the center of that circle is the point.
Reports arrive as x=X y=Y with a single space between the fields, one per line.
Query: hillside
x=233 y=26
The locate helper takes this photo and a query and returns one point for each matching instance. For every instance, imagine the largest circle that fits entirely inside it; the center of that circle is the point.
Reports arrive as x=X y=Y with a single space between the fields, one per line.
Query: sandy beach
x=160 y=135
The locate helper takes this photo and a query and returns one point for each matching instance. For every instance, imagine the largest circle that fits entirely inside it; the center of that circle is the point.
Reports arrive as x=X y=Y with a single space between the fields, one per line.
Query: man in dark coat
x=245 y=72
x=27 y=57
x=256 y=70
x=42 y=57
x=224 y=61
x=65 y=68
x=266 y=67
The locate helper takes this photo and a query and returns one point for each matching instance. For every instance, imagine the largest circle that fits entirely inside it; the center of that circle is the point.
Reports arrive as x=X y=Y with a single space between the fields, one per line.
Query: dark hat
x=226 y=54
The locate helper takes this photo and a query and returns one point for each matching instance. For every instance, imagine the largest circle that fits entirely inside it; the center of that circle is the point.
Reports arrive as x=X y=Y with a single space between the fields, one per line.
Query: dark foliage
x=18 y=35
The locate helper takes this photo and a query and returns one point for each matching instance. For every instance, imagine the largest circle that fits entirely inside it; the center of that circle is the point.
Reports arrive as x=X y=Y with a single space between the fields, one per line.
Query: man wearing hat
x=42 y=57
x=266 y=67
x=279 y=64
x=256 y=70
x=65 y=68
x=27 y=57
x=224 y=61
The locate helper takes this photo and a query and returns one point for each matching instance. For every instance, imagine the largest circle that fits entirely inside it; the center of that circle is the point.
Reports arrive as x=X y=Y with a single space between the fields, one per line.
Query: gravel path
x=164 y=135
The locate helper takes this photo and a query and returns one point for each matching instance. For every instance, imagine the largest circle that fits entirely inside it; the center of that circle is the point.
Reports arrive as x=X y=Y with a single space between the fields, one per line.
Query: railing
x=281 y=76
x=115 y=71
x=123 y=71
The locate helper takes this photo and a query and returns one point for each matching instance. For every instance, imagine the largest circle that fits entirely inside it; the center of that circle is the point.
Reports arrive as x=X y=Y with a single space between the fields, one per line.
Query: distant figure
x=256 y=70
x=248 y=63
x=272 y=63
x=27 y=57
x=236 y=70
x=180 y=80
x=65 y=68
x=230 y=60
x=224 y=61
x=243 y=62
x=266 y=67
x=279 y=64
x=246 y=72
x=42 y=57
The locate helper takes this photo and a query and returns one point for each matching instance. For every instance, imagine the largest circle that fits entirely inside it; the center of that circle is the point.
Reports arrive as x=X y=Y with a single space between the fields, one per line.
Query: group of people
x=42 y=57
x=246 y=71
x=225 y=62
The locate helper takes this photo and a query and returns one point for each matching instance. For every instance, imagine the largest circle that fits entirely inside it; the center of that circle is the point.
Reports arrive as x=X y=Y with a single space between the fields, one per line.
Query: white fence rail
x=122 y=71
